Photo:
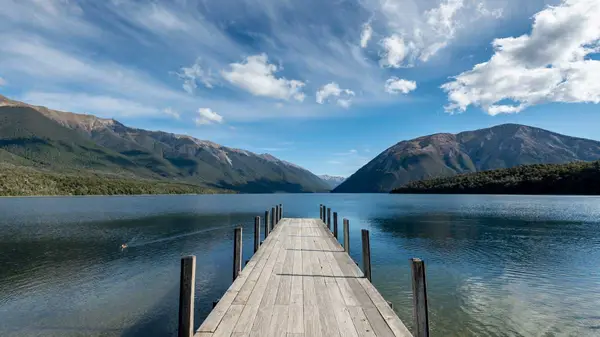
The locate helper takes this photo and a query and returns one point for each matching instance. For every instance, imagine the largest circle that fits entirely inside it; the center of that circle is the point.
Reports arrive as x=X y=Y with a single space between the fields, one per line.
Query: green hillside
x=20 y=181
x=76 y=144
x=577 y=178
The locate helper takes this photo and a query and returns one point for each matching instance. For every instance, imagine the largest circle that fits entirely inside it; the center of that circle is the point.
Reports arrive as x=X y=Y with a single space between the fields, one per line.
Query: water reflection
x=496 y=266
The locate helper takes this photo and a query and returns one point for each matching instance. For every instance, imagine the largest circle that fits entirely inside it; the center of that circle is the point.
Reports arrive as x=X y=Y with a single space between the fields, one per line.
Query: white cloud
x=550 y=64
x=161 y=18
x=2 y=82
x=207 y=116
x=395 y=51
x=419 y=35
x=366 y=35
x=170 y=112
x=332 y=91
x=193 y=74
x=257 y=76
x=395 y=85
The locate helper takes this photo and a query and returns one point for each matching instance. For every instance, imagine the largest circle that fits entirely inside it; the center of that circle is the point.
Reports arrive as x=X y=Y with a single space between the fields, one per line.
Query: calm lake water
x=496 y=265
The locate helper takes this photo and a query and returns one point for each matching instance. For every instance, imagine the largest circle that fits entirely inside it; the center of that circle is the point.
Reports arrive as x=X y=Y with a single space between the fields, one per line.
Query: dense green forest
x=20 y=181
x=577 y=178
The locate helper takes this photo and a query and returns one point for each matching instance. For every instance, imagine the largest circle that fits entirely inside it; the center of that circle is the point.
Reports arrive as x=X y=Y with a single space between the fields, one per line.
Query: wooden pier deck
x=301 y=283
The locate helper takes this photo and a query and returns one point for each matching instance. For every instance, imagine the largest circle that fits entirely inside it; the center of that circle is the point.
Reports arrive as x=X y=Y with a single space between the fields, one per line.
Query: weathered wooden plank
x=211 y=322
x=296 y=296
x=361 y=323
x=327 y=318
x=312 y=324
x=386 y=312
x=203 y=334
x=252 y=276
x=284 y=293
x=279 y=321
x=295 y=318
x=229 y=321
x=379 y=325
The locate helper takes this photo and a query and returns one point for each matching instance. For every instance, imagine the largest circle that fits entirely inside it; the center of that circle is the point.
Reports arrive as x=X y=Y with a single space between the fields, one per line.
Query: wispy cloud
x=193 y=74
x=332 y=91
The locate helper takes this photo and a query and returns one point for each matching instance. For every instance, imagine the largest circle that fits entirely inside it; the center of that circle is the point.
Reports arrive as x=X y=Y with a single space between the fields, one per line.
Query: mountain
x=332 y=181
x=59 y=141
x=576 y=178
x=445 y=154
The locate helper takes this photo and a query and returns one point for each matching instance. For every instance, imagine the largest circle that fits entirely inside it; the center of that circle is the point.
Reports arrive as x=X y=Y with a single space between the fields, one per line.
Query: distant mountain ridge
x=63 y=141
x=445 y=154
x=332 y=181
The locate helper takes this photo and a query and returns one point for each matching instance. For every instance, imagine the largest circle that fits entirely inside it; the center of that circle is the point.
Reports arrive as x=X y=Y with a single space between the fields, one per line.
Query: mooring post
x=256 y=233
x=321 y=211
x=273 y=215
x=324 y=214
x=266 y=224
x=347 y=236
x=187 y=282
x=280 y=211
x=335 y=229
x=366 y=251
x=419 y=297
x=329 y=218
x=237 y=252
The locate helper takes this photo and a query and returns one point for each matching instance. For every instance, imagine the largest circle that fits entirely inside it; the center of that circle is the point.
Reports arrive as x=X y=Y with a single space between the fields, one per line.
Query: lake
x=496 y=265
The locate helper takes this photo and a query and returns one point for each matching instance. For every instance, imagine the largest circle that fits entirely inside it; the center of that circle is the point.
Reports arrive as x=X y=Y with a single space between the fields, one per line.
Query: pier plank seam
x=300 y=282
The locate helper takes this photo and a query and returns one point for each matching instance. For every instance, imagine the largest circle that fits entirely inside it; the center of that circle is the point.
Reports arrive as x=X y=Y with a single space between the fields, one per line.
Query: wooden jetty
x=301 y=283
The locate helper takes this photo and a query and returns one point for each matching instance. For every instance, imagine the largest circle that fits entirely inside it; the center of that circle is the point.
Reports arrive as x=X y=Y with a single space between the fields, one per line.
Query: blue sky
x=324 y=84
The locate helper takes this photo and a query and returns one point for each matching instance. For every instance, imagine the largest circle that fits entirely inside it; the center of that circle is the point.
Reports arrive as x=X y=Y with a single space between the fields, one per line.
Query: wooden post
x=419 y=298
x=256 y=233
x=335 y=229
x=280 y=211
x=187 y=282
x=273 y=216
x=329 y=218
x=276 y=214
x=347 y=236
x=366 y=251
x=237 y=252
x=324 y=213
x=266 y=224
x=321 y=211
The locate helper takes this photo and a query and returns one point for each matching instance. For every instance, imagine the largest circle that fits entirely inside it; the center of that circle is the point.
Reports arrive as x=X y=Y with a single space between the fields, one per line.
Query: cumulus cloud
x=257 y=76
x=394 y=51
x=395 y=85
x=333 y=92
x=2 y=82
x=193 y=74
x=170 y=112
x=366 y=35
x=207 y=116
x=551 y=64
